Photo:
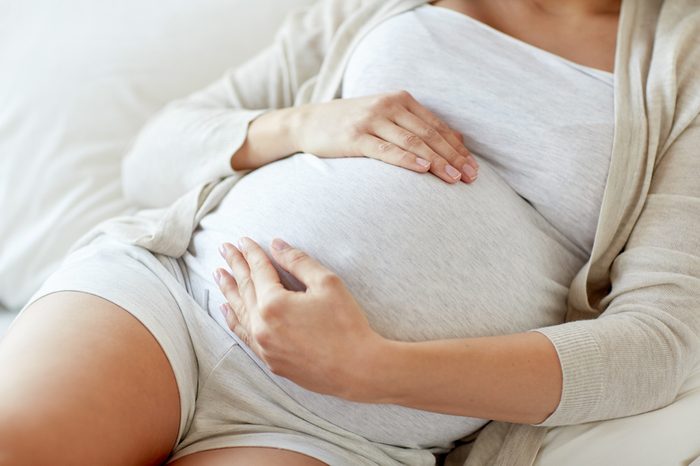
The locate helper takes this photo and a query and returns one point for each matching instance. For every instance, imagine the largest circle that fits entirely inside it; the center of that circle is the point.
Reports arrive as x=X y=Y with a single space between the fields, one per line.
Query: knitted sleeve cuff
x=583 y=372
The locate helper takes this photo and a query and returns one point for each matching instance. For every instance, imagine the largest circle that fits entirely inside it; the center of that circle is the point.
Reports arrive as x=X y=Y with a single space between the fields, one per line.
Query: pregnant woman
x=465 y=186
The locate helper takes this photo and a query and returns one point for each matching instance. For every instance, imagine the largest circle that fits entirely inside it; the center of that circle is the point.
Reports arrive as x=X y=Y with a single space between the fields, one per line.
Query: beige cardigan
x=643 y=277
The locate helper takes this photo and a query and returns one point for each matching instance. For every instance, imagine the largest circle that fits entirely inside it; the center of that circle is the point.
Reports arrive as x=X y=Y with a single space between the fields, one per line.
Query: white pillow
x=79 y=78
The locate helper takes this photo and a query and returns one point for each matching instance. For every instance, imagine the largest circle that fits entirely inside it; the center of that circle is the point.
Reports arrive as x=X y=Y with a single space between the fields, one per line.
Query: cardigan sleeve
x=636 y=355
x=191 y=140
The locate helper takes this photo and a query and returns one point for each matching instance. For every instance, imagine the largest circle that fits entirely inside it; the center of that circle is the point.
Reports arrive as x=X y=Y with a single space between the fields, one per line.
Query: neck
x=576 y=7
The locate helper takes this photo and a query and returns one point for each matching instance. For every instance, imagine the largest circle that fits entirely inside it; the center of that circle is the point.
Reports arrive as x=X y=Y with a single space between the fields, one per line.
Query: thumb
x=304 y=267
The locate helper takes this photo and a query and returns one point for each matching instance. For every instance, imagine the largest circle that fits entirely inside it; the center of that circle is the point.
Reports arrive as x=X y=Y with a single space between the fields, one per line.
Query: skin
x=100 y=390
x=393 y=128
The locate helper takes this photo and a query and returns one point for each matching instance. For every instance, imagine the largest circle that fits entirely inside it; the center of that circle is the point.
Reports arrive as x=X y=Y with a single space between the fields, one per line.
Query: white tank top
x=543 y=122
x=427 y=260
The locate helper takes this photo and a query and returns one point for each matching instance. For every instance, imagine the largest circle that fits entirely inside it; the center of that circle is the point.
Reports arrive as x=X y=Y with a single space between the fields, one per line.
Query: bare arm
x=513 y=378
x=391 y=127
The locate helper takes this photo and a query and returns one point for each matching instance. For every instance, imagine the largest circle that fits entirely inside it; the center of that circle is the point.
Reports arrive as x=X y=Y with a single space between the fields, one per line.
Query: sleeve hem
x=223 y=141
x=582 y=369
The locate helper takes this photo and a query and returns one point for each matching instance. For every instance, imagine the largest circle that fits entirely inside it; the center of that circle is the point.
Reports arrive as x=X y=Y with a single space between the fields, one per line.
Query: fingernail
x=224 y=309
x=241 y=244
x=279 y=245
x=222 y=250
x=453 y=172
x=469 y=171
x=422 y=162
x=217 y=276
x=472 y=161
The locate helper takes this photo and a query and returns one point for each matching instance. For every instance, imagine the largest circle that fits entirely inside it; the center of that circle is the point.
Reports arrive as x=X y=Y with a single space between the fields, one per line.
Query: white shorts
x=227 y=398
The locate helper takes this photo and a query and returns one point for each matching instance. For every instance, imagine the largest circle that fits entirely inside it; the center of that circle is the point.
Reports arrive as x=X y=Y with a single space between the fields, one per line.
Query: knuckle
x=460 y=160
x=296 y=257
x=256 y=261
x=442 y=127
x=275 y=300
x=428 y=133
x=244 y=281
x=406 y=158
x=236 y=328
x=274 y=366
x=330 y=280
x=233 y=322
x=269 y=311
x=411 y=140
x=384 y=147
x=383 y=101
x=438 y=165
x=245 y=336
x=263 y=338
x=358 y=124
x=403 y=95
x=361 y=126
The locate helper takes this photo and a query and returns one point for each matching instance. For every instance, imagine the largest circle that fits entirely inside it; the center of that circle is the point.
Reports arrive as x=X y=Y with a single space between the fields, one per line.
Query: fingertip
x=423 y=164
x=453 y=173
x=279 y=245
x=224 y=308
x=224 y=275
x=470 y=179
x=227 y=249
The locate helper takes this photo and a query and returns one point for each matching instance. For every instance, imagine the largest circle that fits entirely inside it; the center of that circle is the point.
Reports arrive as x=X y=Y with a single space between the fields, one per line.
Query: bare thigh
x=84 y=382
x=245 y=456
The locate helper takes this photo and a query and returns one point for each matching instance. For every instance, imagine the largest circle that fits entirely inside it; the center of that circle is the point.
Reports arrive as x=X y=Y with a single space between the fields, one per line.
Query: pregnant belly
x=426 y=260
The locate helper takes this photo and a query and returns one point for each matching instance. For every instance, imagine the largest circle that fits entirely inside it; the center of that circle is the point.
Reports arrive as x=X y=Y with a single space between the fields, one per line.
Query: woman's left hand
x=318 y=338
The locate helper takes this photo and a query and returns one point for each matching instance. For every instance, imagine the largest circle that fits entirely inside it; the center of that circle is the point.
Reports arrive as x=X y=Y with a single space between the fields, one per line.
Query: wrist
x=373 y=372
x=289 y=123
x=270 y=137
x=295 y=122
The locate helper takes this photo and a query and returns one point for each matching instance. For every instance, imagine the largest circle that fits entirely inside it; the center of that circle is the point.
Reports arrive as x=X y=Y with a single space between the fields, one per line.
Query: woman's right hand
x=393 y=128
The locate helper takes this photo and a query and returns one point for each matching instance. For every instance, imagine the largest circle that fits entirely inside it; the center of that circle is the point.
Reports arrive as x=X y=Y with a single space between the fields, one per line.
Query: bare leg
x=245 y=456
x=83 y=382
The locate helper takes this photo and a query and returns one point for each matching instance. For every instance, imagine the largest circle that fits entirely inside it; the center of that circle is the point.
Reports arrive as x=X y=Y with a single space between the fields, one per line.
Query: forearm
x=270 y=137
x=514 y=378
